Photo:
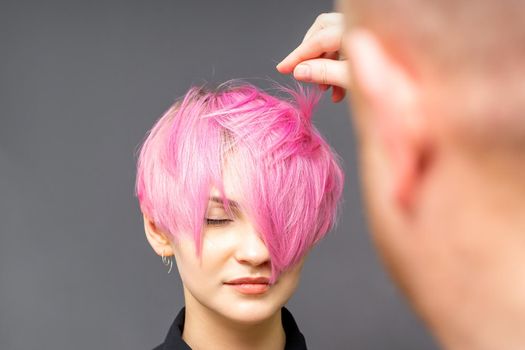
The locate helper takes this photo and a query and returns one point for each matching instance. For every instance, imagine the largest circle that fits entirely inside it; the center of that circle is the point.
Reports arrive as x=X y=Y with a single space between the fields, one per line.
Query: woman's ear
x=157 y=238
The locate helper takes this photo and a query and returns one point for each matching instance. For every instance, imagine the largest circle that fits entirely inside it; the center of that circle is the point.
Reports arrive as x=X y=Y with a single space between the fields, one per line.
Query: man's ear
x=157 y=238
x=390 y=95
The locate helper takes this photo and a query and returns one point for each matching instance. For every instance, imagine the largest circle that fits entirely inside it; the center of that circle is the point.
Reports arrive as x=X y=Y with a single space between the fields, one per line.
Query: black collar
x=294 y=338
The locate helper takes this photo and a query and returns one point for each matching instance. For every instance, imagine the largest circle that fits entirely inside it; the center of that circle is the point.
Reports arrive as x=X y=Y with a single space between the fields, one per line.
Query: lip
x=250 y=285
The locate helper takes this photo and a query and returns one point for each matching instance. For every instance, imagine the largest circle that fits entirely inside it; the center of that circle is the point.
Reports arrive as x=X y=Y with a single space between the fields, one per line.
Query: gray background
x=81 y=82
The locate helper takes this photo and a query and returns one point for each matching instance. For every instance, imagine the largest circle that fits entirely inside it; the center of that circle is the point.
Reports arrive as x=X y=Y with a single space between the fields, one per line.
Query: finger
x=338 y=94
x=322 y=21
x=332 y=56
x=323 y=71
x=325 y=40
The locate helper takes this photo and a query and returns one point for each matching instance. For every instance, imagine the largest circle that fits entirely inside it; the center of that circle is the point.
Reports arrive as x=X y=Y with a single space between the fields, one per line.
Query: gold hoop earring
x=167 y=261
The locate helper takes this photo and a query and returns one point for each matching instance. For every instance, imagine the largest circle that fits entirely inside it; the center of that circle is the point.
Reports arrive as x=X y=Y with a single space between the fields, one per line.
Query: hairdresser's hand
x=318 y=58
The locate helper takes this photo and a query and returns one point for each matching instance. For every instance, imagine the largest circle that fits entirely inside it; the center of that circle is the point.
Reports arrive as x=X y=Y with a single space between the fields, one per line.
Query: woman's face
x=231 y=277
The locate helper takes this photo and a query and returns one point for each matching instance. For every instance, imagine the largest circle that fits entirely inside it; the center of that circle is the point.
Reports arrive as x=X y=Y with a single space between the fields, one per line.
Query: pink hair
x=290 y=179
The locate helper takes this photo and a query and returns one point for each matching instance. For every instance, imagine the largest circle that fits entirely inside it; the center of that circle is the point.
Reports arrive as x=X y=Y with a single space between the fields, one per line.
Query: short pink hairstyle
x=290 y=179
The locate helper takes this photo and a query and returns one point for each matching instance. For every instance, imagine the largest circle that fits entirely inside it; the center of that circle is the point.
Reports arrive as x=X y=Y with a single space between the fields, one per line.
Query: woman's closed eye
x=217 y=215
x=217 y=222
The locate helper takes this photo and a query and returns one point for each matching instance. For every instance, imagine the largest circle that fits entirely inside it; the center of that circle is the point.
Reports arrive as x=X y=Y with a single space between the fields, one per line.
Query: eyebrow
x=219 y=200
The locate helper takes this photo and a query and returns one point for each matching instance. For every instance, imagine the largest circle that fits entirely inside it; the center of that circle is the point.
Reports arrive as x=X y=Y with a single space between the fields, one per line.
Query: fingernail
x=281 y=68
x=303 y=72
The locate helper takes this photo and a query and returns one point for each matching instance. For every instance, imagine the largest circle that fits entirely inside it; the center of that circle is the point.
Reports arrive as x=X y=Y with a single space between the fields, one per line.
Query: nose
x=251 y=248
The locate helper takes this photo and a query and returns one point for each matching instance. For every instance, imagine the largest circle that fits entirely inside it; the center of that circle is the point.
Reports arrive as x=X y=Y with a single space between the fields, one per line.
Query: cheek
x=187 y=264
x=218 y=249
x=217 y=242
x=206 y=269
x=289 y=281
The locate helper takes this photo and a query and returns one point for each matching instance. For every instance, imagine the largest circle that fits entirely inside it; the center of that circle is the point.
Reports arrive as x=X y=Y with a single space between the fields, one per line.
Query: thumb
x=323 y=71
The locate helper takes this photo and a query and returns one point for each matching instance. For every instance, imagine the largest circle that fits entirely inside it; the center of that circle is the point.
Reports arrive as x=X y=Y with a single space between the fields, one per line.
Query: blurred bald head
x=438 y=101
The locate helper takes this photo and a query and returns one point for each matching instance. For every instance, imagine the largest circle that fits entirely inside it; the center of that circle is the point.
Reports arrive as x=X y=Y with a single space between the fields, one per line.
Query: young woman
x=237 y=186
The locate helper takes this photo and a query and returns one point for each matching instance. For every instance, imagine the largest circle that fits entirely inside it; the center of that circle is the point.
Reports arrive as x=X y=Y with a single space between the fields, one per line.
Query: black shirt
x=294 y=338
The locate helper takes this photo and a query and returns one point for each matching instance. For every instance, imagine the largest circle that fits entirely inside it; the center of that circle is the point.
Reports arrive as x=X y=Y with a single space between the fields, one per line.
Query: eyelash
x=217 y=221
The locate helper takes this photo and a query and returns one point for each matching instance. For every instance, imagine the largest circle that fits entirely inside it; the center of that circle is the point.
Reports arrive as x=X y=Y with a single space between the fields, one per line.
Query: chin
x=251 y=311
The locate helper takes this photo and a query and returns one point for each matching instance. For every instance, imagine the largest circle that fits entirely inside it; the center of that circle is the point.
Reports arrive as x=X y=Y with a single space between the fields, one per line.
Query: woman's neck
x=205 y=329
